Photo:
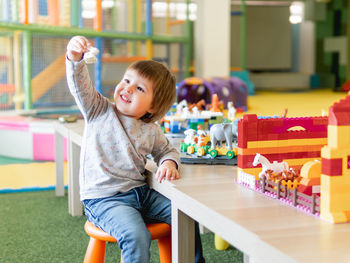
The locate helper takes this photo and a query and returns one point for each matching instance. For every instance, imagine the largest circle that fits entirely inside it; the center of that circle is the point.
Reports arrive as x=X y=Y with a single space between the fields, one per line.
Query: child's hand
x=167 y=170
x=76 y=47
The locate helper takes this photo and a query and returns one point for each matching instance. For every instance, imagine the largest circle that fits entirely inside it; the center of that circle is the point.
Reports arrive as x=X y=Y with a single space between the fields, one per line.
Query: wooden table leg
x=182 y=236
x=59 y=161
x=74 y=204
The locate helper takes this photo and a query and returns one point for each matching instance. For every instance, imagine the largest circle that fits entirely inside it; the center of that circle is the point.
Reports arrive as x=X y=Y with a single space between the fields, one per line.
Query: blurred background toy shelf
x=34 y=35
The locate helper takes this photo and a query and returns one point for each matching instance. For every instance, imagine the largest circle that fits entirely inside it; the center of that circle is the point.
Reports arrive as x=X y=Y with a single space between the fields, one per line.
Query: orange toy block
x=311 y=169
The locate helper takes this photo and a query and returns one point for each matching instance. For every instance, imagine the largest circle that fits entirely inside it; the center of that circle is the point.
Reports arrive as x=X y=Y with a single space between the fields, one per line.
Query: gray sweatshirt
x=114 y=148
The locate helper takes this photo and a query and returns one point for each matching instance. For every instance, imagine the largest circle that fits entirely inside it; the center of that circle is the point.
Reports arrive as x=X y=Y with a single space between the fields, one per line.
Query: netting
x=47 y=62
x=7 y=70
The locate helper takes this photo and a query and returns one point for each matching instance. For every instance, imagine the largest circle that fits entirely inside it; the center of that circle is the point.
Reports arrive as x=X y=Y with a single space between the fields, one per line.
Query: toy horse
x=276 y=167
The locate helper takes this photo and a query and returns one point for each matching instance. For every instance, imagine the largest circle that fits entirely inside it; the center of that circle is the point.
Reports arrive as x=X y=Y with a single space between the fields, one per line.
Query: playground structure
x=27 y=138
x=318 y=140
x=34 y=35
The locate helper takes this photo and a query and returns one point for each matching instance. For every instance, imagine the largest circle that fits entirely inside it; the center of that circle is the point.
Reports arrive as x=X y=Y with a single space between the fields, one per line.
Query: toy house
x=311 y=150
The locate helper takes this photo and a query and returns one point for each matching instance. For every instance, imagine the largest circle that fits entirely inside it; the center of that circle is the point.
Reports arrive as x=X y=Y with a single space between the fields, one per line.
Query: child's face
x=133 y=95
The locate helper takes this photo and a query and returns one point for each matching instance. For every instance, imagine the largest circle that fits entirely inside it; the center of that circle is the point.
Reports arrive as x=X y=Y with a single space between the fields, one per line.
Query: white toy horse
x=276 y=167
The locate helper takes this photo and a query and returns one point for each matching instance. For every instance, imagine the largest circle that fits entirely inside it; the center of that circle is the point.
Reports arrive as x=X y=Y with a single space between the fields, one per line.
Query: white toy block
x=90 y=56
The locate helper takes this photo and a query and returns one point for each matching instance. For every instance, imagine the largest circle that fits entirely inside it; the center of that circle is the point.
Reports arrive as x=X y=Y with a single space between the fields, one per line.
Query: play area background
x=17 y=175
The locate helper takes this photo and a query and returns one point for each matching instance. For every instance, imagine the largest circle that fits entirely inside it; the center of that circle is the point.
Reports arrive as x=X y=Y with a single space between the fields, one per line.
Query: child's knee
x=142 y=236
x=138 y=237
x=136 y=245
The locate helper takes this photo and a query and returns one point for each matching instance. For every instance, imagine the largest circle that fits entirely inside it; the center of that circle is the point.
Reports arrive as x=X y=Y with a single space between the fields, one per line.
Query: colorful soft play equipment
x=29 y=176
x=34 y=35
x=27 y=138
x=228 y=89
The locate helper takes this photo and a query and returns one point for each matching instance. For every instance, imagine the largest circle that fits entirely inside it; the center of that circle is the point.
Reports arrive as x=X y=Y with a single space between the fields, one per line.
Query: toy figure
x=275 y=167
x=190 y=136
x=90 y=56
x=223 y=132
x=231 y=114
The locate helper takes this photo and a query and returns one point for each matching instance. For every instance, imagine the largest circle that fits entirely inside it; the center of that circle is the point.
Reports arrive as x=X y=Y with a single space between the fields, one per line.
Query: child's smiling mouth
x=125 y=98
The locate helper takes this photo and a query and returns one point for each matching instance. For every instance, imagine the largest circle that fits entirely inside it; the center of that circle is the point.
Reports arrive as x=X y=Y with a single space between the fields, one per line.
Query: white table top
x=76 y=128
x=264 y=228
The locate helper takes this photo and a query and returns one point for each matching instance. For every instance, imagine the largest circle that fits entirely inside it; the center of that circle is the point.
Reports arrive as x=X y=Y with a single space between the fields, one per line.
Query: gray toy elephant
x=223 y=132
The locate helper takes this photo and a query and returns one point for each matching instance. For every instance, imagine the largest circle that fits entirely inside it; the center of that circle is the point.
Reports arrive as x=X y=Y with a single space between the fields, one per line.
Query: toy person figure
x=117 y=138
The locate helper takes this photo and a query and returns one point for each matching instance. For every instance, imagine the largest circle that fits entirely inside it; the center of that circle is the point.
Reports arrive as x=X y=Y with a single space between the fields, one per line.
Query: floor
x=299 y=104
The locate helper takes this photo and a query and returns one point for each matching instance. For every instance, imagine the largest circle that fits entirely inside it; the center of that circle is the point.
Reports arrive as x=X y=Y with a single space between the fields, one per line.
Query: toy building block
x=311 y=176
x=346 y=86
x=335 y=178
x=90 y=56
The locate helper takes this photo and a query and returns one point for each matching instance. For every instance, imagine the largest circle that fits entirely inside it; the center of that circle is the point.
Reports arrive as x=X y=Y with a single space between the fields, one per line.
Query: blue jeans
x=124 y=216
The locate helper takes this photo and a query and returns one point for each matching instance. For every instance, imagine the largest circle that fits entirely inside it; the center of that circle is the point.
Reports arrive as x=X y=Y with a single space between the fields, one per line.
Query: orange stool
x=95 y=252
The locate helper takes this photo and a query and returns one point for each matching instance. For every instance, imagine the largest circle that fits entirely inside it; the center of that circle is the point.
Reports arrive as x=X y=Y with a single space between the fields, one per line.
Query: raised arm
x=90 y=102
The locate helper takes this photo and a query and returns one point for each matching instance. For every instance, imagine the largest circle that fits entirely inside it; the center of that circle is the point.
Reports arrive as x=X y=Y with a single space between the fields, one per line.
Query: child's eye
x=127 y=81
x=140 y=89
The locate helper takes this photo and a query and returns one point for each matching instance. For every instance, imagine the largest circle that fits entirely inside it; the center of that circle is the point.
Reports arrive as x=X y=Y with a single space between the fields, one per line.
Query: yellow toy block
x=311 y=169
x=339 y=184
x=294 y=162
x=286 y=143
x=338 y=136
x=329 y=152
x=335 y=198
x=296 y=148
x=341 y=217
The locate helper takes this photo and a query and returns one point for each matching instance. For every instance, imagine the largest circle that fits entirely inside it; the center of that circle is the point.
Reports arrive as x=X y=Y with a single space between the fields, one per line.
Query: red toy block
x=332 y=167
x=305 y=189
x=247 y=130
x=346 y=86
x=339 y=113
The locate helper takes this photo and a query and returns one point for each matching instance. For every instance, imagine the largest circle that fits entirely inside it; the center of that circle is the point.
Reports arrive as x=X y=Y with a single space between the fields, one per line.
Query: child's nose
x=130 y=88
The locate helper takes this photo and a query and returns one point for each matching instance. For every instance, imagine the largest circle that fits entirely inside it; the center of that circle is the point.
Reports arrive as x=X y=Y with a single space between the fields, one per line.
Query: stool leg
x=95 y=252
x=164 y=246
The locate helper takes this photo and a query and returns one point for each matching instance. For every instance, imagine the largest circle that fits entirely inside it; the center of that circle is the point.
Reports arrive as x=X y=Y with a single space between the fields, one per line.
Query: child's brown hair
x=164 y=87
